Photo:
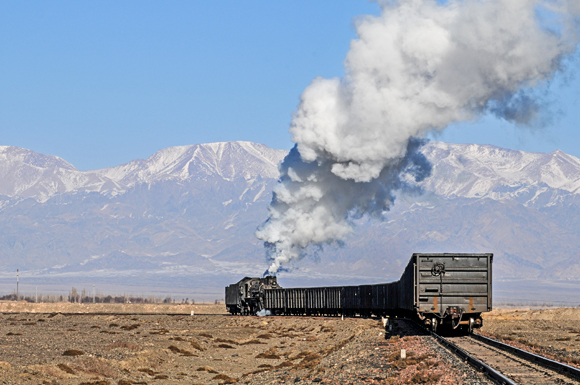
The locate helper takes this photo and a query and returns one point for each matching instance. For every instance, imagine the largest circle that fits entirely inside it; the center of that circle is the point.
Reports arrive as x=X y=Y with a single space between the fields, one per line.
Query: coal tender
x=437 y=289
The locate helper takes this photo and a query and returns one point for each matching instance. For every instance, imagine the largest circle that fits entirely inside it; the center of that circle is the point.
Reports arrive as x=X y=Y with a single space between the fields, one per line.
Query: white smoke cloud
x=417 y=67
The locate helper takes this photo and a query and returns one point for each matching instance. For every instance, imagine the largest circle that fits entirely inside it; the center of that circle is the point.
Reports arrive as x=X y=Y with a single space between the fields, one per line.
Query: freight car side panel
x=453 y=281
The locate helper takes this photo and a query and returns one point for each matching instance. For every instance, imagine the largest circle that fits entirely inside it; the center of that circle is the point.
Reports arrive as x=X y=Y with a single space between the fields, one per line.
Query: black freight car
x=447 y=288
x=451 y=289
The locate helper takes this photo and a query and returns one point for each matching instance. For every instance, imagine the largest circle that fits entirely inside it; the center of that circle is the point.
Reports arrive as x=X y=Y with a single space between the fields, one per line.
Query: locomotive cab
x=247 y=296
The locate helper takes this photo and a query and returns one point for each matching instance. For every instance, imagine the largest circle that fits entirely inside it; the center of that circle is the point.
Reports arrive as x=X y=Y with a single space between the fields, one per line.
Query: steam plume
x=417 y=67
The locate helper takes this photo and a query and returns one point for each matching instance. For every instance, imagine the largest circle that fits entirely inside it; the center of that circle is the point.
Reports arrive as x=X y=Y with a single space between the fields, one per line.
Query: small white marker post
x=403 y=354
x=192 y=312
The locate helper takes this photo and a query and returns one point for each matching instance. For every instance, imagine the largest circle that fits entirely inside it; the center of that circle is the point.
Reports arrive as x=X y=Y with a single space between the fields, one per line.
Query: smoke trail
x=417 y=67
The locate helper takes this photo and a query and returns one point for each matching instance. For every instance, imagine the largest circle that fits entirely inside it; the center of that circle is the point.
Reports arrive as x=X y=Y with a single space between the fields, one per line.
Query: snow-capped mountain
x=477 y=171
x=26 y=174
x=228 y=160
x=186 y=215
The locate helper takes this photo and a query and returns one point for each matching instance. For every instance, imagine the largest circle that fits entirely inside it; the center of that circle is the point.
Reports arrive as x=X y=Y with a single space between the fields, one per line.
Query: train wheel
x=471 y=324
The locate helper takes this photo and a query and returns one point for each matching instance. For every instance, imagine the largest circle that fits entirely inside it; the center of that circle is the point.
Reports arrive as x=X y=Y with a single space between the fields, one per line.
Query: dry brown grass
x=206 y=335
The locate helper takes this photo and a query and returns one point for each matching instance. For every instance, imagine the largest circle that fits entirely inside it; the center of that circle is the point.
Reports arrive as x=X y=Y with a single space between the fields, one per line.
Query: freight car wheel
x=470 y=327
x=434 y=324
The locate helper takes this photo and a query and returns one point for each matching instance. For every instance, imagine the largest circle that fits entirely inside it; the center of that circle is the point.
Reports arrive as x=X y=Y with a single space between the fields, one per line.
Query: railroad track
x=508 y=365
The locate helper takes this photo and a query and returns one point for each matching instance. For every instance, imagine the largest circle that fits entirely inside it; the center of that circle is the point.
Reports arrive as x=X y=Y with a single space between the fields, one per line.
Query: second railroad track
x=506 y=364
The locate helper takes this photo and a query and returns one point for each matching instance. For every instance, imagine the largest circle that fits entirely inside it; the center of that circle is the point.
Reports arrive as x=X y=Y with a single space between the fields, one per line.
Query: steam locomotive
x=436 y=288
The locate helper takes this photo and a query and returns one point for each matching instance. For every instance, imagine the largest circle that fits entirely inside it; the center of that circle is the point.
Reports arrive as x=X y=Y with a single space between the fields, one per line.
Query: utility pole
x=17 y=284
x=36 y=295
x=93 y=293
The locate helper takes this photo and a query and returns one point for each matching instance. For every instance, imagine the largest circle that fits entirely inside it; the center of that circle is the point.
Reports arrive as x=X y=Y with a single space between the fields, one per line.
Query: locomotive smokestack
x=416 y=68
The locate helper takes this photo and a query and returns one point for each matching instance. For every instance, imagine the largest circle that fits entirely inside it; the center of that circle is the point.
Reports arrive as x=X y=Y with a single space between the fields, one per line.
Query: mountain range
x=185 y=217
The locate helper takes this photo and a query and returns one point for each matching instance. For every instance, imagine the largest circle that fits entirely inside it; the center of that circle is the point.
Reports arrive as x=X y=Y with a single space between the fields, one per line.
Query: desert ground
x=44 y=345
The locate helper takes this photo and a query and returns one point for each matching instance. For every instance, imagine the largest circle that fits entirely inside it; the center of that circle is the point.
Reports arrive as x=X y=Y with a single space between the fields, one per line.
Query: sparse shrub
x=226 y=341
x=177 y=350
x=425 y=378
x=96 y=366
x=196 y=345
x=147 y=371
x=66 y=368
x=208 y=369
x=73 y=353
x=253 y=342
x=269 y=354
x=226 y=379
x=130 y=327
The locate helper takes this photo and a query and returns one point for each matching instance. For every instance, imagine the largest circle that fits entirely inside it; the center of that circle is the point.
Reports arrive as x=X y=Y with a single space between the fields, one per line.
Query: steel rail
x=493 y=374
x=479 y=365
x=560 y=367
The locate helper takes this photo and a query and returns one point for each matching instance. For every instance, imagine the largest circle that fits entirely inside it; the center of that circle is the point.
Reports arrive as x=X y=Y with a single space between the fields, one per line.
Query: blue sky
x=103 y=83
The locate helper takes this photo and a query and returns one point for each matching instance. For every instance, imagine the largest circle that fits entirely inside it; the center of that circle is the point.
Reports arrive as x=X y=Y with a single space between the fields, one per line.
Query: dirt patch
x=208 y=349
